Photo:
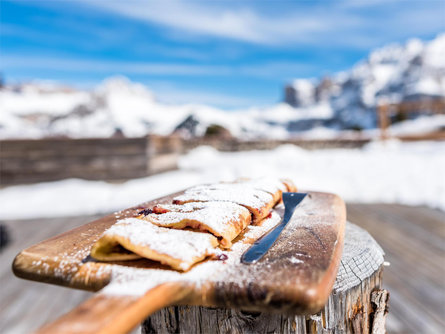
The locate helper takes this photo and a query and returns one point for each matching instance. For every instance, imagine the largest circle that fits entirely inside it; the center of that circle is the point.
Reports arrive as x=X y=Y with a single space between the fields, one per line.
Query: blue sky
x=230 y=54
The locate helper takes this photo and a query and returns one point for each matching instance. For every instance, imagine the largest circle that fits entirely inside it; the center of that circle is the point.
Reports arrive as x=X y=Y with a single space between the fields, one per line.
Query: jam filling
x=145 y=212
x=221 y=257
x=159 y=210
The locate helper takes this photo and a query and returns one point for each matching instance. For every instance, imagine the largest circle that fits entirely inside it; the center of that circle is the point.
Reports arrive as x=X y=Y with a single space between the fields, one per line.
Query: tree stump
x=356 y=305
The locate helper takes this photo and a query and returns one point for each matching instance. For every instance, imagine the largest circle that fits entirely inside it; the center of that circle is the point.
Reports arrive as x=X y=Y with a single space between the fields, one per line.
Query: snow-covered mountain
x=121 y=107
x=314 y=108
x=393 y=73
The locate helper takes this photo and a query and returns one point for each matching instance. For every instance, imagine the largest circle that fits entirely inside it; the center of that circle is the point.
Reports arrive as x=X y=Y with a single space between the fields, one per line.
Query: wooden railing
x=386 y=110
x=29 y=161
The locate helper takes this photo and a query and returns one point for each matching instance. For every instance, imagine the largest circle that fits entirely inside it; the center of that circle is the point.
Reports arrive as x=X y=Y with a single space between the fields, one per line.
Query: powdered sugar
x=68 y=263
x=183 y=245
x=224 y=219
x=295 y=260
x=237 y=193
x=268 y=184
x=137 y=281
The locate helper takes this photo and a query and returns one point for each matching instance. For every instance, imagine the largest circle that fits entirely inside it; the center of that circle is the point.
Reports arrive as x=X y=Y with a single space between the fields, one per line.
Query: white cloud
x=353 y=23
x=243 y=23
x=191 y=16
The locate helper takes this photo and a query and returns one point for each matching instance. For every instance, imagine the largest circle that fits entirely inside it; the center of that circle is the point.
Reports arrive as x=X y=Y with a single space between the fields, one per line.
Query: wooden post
x=383 y=115
x=356 y=305
x=162 y=153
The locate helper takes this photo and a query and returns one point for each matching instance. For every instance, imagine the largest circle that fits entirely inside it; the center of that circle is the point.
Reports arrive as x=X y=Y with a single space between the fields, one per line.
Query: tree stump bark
x=356 y=305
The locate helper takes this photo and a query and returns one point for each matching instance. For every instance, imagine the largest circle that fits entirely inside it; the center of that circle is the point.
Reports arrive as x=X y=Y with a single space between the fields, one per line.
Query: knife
x=262 y=245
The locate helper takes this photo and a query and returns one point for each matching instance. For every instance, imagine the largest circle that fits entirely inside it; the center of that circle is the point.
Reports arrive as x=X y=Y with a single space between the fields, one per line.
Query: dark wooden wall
x=28 y=161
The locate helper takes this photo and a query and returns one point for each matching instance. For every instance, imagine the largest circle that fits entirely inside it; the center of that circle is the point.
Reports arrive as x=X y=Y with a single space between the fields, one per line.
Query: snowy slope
x=116 y=105
x=120 y=106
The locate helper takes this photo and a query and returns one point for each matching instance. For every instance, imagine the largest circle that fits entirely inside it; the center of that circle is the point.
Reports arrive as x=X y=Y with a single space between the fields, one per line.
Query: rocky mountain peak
x=395 y=73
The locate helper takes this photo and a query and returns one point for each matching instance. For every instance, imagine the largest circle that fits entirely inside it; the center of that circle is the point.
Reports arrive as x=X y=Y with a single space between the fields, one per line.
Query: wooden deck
x=414 y=241
x=412 y=237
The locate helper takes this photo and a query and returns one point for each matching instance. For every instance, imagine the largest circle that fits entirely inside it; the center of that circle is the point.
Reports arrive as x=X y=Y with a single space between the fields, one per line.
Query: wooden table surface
x=416 y=294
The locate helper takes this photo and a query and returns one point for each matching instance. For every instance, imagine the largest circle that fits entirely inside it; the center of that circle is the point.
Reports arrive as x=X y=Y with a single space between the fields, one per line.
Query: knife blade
x=262 y=245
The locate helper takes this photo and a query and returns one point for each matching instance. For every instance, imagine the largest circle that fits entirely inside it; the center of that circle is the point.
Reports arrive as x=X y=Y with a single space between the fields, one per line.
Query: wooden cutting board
x=296 y=275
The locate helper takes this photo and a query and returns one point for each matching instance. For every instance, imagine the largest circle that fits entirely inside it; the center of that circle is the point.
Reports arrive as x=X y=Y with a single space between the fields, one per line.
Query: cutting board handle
x=114 y=313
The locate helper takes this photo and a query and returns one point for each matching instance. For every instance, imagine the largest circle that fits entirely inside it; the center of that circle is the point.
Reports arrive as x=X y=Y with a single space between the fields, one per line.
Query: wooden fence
x=236 y=145
x=429 y=107
x=29 y=161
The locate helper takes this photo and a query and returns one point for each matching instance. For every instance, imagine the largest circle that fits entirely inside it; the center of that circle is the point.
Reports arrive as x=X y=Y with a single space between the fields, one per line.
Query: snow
x=419 y=125
x=380 y=172
x=435 y=51
x=121 y=105
x=35 y=100
x=283 y=113
x=426 y=86
x=305 y=91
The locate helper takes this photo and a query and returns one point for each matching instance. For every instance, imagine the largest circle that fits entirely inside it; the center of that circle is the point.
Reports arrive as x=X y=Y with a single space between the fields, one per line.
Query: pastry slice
x=289 y=185
x=133 y=238
x=258 y=202
x=225 y=220
x=273 y=186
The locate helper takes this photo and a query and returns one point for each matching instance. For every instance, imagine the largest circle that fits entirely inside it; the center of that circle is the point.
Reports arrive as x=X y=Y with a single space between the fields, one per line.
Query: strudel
x=133 y=238
x=270 y=185
x=175 y=234
x=289 y=185
x=225 y=220
x=258 y=202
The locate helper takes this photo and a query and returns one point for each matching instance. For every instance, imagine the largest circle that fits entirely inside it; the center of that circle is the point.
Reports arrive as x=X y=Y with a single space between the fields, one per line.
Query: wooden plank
x=52 y=159
x=50 y=151
x=18 y=310
x=415 y=276
x=402 y=239
x=60 y=164
x=431 y=222
x=70 y=141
